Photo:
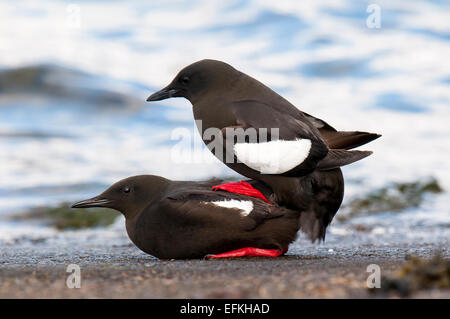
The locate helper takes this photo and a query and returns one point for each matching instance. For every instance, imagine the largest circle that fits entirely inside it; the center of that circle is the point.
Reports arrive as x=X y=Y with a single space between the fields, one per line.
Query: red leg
x=242 y=188
x=249 y=251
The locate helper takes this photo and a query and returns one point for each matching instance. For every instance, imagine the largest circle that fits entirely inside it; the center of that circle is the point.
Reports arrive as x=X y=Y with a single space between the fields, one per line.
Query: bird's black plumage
x=225 y=98
x=176 y=219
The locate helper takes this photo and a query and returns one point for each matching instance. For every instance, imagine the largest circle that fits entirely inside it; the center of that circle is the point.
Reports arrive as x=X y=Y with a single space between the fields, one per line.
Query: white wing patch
x=274 y=157
x=245 y=206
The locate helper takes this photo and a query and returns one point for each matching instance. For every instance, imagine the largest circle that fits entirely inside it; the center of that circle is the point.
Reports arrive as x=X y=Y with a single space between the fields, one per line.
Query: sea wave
x=72 y=96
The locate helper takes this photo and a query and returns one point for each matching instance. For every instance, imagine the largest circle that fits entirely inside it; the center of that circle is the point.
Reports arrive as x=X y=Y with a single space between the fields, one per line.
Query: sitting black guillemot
x=183 y=219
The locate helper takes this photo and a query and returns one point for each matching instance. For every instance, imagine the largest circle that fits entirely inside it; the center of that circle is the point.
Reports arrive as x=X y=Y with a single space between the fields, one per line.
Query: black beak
x=92 y=202
x=163 y=94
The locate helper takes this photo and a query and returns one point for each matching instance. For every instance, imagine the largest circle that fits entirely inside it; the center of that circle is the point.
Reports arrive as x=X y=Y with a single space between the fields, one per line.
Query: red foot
x=249 y=251
x=243 y=188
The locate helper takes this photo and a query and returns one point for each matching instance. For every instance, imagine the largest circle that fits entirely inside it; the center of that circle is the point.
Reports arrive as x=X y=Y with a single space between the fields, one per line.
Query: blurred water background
x=74 y=76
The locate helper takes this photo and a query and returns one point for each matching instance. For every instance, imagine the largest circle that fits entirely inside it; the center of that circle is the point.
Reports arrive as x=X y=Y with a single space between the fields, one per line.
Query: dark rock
x=418 y=274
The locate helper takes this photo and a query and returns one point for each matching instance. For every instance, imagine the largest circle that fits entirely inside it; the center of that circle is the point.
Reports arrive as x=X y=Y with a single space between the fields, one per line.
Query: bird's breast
x=213 y=114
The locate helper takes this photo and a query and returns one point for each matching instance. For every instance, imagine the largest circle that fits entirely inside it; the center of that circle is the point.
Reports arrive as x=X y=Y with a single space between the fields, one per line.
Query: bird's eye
x=185 y=80
x=126 y=190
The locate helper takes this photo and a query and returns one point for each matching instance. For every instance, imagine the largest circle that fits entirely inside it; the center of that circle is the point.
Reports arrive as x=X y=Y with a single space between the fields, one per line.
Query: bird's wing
x=319 y=123
x=340 y=139
x=274 y=142
x=221 y=208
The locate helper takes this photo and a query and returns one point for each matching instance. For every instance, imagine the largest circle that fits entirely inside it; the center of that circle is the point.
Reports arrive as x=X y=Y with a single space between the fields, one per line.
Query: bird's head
x=198 y=79
x=129 y=196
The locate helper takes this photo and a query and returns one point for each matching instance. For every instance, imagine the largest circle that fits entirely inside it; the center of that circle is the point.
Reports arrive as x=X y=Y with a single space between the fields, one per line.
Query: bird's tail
x=327 y=194
x=347 y=140
x=339 y=143
x=338 y=158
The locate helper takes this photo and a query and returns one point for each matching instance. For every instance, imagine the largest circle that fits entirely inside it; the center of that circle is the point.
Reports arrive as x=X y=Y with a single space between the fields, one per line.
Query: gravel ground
x=38 y=270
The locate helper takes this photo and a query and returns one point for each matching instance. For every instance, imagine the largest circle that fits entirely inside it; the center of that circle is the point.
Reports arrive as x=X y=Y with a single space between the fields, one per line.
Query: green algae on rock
x=394 y=197
x=63 y=217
